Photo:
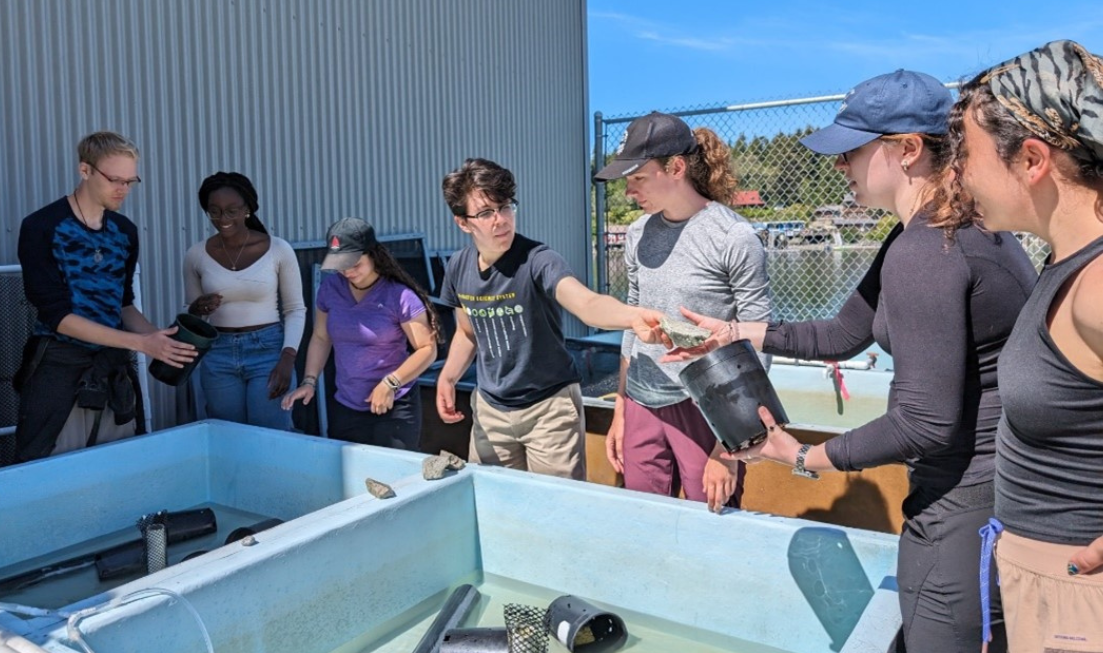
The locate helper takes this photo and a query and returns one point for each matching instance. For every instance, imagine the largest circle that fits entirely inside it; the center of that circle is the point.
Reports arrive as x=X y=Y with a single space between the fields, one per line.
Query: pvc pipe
x=451 y=615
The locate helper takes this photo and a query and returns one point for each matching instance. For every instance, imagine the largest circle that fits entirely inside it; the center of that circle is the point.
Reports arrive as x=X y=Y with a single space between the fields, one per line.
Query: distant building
x=847 y=214
x=615 y=235
x=747 y=199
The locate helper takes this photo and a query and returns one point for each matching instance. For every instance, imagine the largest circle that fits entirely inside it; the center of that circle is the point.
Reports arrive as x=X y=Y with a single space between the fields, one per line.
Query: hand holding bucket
x=190 y=330
x=728 y=385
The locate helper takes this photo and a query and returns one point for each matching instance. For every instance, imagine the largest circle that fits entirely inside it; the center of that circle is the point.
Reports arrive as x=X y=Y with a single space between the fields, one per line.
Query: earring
x=904 y=165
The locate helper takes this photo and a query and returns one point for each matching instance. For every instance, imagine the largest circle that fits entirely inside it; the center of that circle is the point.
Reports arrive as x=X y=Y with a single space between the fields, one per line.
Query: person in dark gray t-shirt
x=1030 y=137
x=508 y=292
x=942 y=298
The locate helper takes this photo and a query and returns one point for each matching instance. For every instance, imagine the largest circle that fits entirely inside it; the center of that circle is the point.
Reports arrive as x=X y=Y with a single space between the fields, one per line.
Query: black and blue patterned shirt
x=71 y=269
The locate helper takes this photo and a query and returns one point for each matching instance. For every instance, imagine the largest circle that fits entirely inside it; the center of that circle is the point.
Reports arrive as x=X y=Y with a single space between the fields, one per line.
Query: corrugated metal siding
x=332 y=107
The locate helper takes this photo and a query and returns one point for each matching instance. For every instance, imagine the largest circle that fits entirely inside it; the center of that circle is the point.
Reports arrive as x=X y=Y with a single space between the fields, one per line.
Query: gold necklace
x=233 y=264
x=97 y=256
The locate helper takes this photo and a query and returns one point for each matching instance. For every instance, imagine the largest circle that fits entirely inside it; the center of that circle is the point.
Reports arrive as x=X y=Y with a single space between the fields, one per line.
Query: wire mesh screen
x=819 y=242
x=16 y=322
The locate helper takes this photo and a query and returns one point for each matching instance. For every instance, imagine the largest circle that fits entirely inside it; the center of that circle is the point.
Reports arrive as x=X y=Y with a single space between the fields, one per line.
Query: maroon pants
x=665 y=450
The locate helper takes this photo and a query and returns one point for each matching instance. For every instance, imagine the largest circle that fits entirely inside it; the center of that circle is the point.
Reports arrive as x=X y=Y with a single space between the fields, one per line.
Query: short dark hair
x=238 y=183
x=478 y=175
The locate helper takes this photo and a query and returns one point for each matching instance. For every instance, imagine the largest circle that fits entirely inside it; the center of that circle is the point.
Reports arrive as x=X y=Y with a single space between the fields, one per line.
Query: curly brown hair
x=949 y=206
x=709 y=167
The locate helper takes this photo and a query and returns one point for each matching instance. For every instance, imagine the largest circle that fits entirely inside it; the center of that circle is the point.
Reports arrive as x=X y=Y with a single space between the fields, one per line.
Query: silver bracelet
x=310 y=380
x=798 y=468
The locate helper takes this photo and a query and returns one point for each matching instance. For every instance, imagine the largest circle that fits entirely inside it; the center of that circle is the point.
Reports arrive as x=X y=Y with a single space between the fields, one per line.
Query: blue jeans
x=234 y=376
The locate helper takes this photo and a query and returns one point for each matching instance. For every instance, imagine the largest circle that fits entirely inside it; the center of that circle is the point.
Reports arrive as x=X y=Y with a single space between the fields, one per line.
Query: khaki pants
x=1046 y=610
x=74 y=435
x=548 y=437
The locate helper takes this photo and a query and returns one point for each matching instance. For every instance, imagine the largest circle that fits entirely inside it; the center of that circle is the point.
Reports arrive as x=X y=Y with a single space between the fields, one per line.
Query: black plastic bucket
x=582 y=626
x=194 y=331
x=728 y=385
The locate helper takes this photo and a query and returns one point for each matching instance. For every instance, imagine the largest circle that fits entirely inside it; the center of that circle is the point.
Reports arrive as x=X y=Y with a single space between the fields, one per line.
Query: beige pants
x=1046 y=610
x=548 y=437
x=74 y=435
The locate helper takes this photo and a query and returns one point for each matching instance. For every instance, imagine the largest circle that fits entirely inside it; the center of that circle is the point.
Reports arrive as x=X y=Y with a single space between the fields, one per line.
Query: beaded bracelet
x=733 y=331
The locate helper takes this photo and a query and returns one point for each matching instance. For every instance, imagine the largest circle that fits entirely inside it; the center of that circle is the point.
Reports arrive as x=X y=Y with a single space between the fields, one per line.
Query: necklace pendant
x=97 y=257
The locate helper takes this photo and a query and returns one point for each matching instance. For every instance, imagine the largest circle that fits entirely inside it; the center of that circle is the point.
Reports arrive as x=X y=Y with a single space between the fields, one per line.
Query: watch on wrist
x=799 y=469
x=392 y=382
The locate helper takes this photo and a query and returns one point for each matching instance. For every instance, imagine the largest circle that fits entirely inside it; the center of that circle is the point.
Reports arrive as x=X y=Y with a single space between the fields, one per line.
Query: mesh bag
x=527 y=628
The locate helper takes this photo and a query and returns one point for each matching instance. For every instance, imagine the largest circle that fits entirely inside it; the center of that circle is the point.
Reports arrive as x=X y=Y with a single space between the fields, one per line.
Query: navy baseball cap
x=903 y=102
x=346 y=241
x=654 y=136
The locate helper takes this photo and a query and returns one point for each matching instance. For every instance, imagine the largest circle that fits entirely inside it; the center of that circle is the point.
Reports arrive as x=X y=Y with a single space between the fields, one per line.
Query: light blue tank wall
x=346 y=563
x=332 y=107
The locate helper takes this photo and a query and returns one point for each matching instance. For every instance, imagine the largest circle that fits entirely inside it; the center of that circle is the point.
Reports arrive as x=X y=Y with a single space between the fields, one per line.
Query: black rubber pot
x=728 y=385
x=193 y=331
x=582 y=626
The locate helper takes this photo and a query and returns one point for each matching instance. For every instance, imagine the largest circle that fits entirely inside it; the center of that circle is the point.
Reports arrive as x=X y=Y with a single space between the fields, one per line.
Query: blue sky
x=648 y=55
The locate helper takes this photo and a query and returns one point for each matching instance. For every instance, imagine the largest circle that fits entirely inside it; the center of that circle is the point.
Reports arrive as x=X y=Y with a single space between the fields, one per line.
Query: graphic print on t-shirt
x=498 y=321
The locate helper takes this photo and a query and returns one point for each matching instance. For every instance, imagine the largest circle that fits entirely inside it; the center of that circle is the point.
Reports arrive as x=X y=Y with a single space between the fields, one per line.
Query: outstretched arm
x=605 y=312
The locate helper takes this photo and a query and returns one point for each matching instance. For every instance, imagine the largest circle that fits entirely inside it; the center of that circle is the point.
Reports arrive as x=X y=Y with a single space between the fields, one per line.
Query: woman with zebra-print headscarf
x=1027 y=137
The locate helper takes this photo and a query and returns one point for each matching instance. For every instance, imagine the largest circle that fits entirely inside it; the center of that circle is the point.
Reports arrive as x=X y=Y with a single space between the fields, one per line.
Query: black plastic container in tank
x=568 y=616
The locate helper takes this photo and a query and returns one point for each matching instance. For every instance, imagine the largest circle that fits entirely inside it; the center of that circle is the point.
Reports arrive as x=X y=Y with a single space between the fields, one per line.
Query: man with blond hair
x=77 y=384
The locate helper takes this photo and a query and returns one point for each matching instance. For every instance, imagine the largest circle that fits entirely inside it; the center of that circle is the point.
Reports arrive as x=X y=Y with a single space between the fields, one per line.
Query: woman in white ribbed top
x=247 y=283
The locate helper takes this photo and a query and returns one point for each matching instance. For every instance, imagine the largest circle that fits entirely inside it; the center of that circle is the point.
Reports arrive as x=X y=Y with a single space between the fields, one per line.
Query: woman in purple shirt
x=383 y=331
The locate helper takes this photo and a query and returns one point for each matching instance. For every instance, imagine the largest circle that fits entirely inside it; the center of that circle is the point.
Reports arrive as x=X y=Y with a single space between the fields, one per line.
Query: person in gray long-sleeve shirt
x=689 y=249
x=943 y=302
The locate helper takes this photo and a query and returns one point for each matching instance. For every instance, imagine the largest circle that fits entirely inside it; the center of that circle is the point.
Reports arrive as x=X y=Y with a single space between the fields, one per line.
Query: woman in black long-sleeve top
x=942 y=301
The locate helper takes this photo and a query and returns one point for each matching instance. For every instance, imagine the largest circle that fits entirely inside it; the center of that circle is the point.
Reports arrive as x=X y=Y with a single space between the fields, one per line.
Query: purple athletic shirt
x=368 y=341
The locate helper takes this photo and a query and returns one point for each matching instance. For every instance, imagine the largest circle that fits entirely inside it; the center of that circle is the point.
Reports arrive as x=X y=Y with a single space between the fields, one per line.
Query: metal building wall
x=332 y=107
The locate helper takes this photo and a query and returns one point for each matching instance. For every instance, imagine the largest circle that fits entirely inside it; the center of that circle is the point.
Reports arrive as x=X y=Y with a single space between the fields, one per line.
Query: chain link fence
x=819 y=243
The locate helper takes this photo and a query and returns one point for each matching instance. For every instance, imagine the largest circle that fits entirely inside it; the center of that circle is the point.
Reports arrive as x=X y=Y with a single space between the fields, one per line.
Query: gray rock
x=379 y=490
x=433 y=467
x=684 y=334
x=454 y=461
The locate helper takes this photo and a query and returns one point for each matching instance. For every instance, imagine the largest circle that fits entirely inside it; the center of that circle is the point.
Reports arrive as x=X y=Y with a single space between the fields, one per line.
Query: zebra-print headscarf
x=1056 y=92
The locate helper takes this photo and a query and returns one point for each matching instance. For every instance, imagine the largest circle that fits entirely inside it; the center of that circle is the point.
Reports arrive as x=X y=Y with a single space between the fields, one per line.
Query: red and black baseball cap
x=346 y=241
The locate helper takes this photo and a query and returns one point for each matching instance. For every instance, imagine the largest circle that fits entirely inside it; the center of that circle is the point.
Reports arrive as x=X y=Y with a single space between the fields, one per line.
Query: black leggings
x=938 y=572
x=398 y=428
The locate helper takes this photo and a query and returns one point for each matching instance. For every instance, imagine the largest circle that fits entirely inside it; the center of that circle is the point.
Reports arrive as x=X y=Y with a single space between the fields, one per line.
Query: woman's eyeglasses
x=505 y=210
x=232 y=213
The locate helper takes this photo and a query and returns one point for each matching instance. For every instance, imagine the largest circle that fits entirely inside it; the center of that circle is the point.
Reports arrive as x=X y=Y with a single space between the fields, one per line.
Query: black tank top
x=1049 y=444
